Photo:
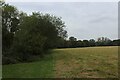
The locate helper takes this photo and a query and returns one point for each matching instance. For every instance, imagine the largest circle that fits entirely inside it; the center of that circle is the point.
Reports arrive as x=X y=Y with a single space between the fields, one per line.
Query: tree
x=73 y=41
x=103 y=41
x=86 y=43
x=116 y=42
x=36 y=35
x=61 y=43
x=79 y=43
x=26 y=36
x=92 y=42
x=72 y=38
x=52 y=28
x=10 y=21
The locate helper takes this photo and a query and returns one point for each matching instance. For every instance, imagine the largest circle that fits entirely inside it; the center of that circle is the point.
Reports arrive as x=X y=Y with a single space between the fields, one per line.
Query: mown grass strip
x=40 y=69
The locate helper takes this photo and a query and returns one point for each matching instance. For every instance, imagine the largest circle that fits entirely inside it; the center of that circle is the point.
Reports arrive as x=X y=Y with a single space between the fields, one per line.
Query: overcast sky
x=83 y=20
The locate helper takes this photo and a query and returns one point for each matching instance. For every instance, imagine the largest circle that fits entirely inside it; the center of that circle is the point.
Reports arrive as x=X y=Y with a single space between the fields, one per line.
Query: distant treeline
x=74 y=43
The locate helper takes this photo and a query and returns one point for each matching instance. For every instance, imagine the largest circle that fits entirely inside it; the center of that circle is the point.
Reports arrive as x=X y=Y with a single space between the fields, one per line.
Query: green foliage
x=72 y=39
x=92 y=42
x=86 y=43
x=25 y=36
x=42 y=68
x=36 y=34
x=74 y=43
x=29 y=36
x=9 y=24
x=116 y=42
x=103 y=41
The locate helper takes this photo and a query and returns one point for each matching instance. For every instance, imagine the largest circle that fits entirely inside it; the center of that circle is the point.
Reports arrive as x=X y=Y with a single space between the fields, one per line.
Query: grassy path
x=40 y=69
x=96 y=62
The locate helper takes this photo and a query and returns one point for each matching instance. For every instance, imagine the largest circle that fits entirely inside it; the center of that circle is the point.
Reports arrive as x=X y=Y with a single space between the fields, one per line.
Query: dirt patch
x=65 y=68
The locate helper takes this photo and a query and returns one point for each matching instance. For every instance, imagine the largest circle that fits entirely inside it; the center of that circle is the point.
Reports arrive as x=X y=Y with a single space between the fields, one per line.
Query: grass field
x=92 y=62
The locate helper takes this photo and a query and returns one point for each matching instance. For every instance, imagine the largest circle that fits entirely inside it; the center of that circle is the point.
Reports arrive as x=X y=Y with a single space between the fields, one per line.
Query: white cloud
x=84 y=20
x=62 y=0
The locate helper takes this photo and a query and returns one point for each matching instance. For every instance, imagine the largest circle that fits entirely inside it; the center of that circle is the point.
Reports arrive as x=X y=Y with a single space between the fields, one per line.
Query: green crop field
x=91 y=62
